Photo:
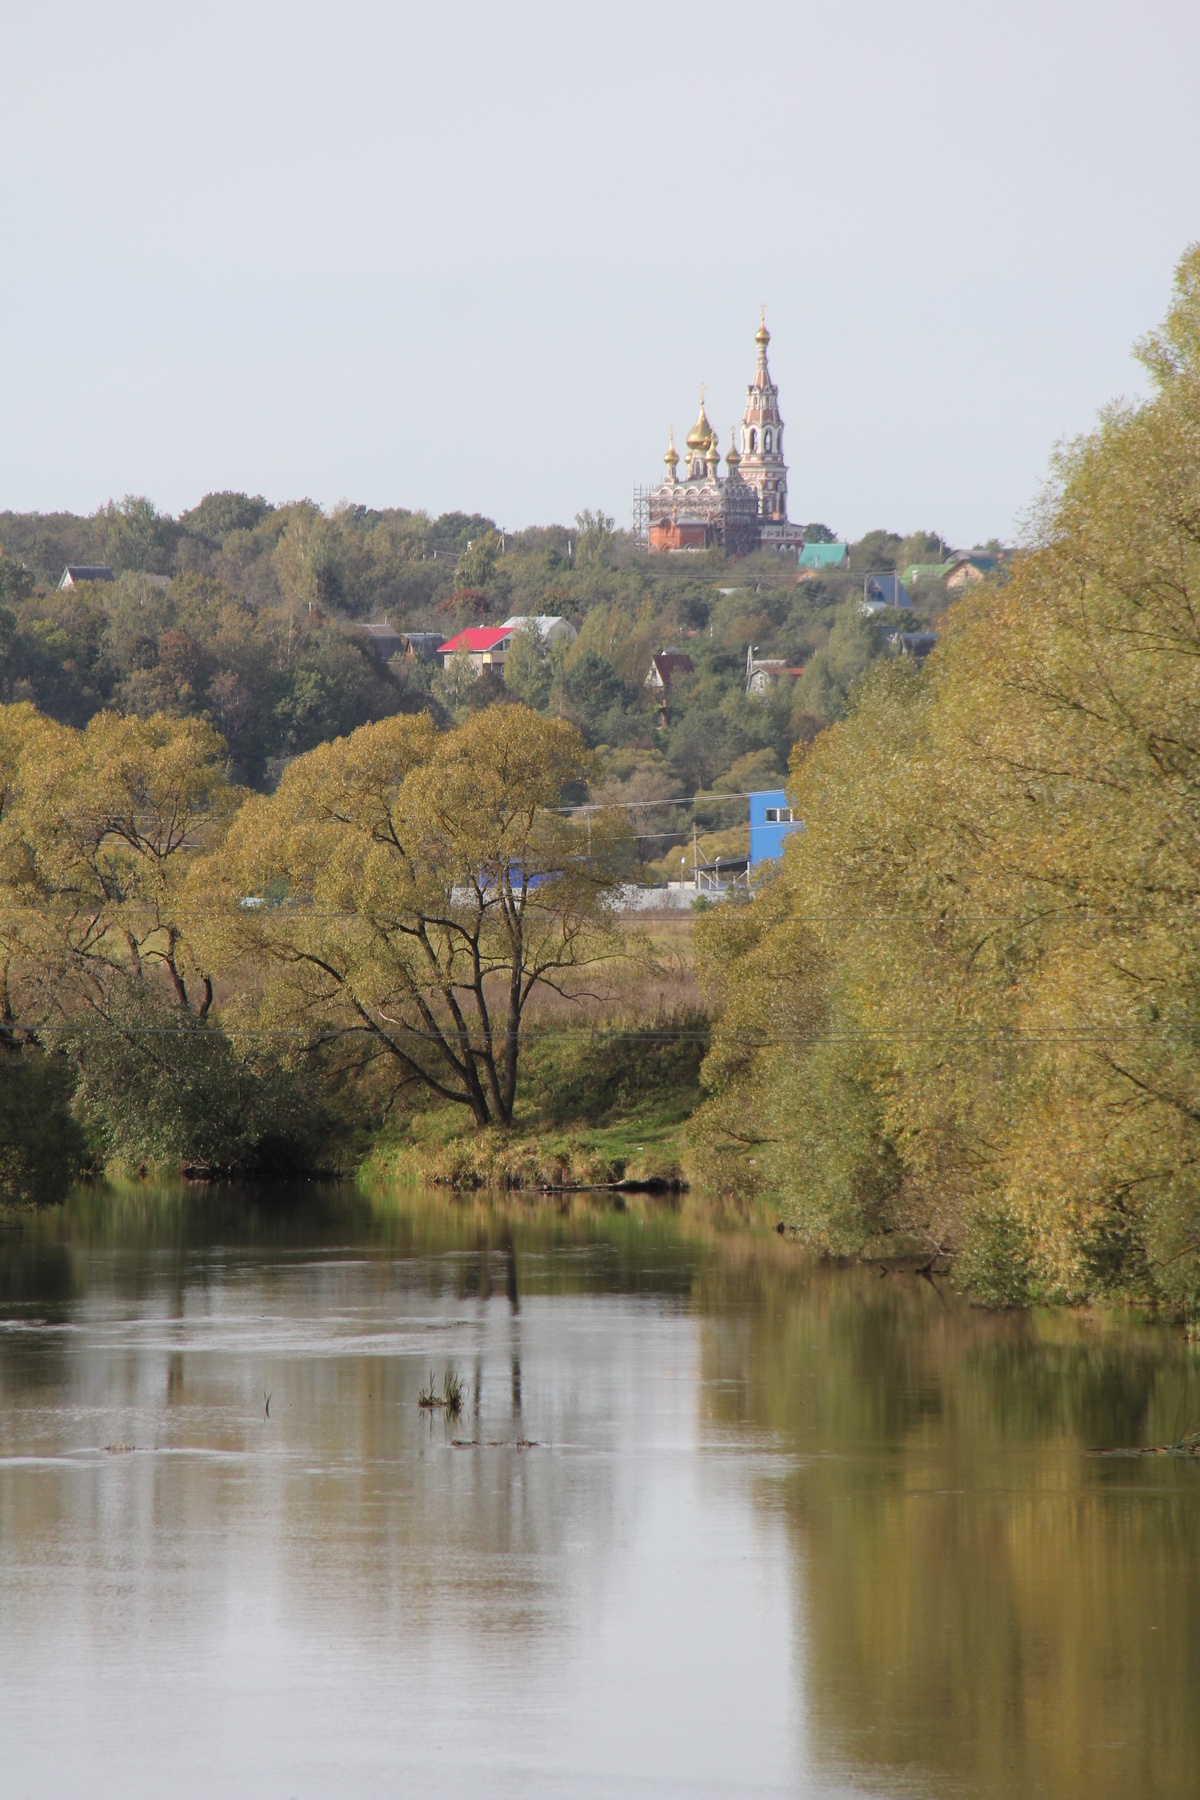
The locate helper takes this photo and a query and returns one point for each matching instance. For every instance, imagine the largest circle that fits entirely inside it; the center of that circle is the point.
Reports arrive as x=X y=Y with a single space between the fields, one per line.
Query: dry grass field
x=654 y=979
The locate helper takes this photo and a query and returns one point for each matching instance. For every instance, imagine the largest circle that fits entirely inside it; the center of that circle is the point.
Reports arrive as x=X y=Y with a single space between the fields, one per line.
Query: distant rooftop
x=74 y=573
x=882 y=591
x=477 y=638
x=823 y=556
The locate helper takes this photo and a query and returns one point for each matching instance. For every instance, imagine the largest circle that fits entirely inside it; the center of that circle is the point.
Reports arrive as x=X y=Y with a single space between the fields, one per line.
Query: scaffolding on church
x=641 y=516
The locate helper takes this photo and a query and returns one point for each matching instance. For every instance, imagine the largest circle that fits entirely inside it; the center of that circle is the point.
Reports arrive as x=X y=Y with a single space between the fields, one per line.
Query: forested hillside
x=248 y=616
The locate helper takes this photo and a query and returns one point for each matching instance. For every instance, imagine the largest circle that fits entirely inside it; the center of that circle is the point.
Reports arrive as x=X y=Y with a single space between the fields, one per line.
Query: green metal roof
x=927 y=571
x=823 y=556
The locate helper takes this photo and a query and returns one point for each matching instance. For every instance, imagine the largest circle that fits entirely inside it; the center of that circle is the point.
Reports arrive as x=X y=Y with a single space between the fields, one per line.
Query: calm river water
x=714 y=1521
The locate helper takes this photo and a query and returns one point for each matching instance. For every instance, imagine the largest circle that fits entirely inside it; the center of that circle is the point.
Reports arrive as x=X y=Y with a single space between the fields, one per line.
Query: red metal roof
x=672 y=662
x=476 y=637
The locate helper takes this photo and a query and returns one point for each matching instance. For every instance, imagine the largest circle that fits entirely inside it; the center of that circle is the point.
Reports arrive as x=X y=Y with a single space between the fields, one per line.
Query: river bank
x=641 y=1146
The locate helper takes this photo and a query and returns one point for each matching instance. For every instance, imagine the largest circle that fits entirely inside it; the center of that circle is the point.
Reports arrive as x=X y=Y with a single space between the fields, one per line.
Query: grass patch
x=451 y=1398
x=495 y=1159
x=597 y=1108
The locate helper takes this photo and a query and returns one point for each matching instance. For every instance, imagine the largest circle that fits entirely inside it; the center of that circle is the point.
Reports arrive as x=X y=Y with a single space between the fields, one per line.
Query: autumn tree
x=994 y=905
x=102 y=994
x=108 y=816
x=406 y=894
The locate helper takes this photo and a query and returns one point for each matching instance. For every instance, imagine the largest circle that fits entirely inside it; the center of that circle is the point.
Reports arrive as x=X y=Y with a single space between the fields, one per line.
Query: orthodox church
x=746 y=509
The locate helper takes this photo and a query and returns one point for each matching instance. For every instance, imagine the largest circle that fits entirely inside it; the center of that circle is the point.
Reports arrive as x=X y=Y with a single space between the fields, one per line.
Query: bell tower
x=762 y=466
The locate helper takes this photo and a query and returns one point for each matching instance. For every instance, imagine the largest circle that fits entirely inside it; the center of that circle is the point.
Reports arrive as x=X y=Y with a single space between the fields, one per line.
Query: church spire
x=762 y=465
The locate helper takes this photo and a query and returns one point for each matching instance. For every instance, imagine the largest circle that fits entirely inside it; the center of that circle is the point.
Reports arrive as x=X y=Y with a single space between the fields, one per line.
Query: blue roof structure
x=886 y=590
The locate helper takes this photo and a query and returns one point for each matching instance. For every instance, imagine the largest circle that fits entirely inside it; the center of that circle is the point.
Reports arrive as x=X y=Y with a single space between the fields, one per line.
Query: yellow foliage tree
x=95 y=827
x=408 y=892
x=999 y=881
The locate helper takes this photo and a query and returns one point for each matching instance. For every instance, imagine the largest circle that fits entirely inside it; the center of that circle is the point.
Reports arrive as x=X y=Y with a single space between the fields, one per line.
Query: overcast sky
x=481 y=256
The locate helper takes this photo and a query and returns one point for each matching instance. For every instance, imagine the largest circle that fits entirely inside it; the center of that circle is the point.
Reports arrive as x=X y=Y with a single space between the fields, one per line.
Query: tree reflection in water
x=986 y=1608
x=976 y=1606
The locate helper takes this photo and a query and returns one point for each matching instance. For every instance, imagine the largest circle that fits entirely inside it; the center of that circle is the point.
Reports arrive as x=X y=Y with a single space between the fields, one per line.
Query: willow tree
x=1000 y=881
x=108 y=819
x=97 y=967
x=407 y=894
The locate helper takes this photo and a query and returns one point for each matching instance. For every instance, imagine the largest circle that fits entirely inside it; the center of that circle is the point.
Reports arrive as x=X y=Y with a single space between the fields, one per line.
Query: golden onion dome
x=713 y=456
x=702 y=434
x=672 y=456
x=762 y=336
x=733 y=455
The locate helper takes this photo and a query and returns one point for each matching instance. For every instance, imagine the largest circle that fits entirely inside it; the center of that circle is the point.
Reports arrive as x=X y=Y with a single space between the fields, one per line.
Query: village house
x=420 y=646
x=958 y=571
x=664 y=666
x=963 y=571
x=487 y=646
x=484 y=646
x=551 y=628
x=762 y=672
x=387 y=640
x=814 y=559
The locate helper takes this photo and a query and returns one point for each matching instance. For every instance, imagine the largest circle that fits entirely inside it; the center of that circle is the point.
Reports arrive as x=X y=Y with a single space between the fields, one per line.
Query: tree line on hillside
x=963 y=1020
x=247 y=616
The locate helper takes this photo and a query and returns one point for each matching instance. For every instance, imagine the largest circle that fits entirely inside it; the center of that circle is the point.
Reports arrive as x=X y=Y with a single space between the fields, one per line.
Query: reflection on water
x=778 y=1528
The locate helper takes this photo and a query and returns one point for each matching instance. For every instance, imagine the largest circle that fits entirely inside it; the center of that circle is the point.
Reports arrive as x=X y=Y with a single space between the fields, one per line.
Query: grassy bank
x=602 y=1105
x=607 y=1087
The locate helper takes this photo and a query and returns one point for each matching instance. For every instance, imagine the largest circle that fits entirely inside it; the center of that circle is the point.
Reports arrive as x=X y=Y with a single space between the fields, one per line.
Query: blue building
x=770 y=822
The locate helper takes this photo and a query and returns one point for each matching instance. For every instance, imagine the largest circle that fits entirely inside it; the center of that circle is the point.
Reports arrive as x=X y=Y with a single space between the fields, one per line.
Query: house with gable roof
x=488 y=646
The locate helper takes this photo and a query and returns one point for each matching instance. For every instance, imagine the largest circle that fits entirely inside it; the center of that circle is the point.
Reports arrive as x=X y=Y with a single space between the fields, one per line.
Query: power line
x=634 y=1034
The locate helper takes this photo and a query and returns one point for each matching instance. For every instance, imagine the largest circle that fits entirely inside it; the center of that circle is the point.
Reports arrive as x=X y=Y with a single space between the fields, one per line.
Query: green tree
x=452 y=684
x=41 y=1145
x=218 y=515
x=876 y=550
x=597 y=537
x=477 y=564
x=830 y=674
x=590 y=693
x=16 y=581
x=528 y=671
x=135 y=535
x=308 y=559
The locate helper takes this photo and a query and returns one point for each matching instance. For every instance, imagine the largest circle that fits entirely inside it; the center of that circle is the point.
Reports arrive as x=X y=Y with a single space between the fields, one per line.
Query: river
x=714 y=1520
